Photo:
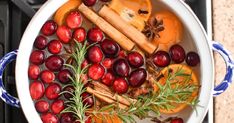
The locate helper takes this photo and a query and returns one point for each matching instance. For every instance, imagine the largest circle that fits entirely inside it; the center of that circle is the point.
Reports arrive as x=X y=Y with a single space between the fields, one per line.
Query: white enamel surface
x=191 y=23
x=22 y=61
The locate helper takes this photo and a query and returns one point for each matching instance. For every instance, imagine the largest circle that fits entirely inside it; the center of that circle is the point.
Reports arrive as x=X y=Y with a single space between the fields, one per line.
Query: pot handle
x=6 y=97
x=229 y=67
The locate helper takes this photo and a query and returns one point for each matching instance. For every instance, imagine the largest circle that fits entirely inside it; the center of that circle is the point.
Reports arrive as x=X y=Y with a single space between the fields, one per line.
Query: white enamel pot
x=194 y=33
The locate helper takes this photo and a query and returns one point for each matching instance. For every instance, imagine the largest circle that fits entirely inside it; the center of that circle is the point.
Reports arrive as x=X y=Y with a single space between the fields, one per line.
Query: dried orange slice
x=107 y=119
x=135 y=12
x=61 y=13
x=193 y=80
x=172 y=33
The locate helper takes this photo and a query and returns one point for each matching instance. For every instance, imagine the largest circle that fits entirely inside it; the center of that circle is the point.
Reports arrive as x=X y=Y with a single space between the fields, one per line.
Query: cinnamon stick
x=103 y=98
x=131 y=32
x=107 y=28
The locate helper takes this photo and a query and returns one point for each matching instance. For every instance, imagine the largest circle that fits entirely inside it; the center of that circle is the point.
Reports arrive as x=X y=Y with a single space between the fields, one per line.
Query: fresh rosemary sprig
x=75 y=104
x=164 y=98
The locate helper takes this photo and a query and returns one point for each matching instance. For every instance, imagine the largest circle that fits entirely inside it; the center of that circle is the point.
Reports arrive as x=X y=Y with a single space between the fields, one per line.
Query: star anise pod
x=152 y=28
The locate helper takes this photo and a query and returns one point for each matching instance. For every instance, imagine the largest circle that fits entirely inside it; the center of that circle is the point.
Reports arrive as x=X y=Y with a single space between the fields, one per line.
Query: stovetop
x=14 y=17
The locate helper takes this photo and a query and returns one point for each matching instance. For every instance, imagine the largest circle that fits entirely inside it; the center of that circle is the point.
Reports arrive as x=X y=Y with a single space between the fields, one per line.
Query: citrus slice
x=135 y=12
x=107 y=119
x=61 y=13
x=193 y=81
x=172 y=33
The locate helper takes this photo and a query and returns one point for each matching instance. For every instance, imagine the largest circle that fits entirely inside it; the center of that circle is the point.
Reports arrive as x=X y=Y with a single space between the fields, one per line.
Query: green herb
x=75 y=104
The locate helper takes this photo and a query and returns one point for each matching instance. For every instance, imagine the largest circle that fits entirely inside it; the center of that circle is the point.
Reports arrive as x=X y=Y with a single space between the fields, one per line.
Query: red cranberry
x=64 y=34
x=52 y=91
x=108 y=78
x=120 y=85
x=89 y=2
x=63 y=76
x=137 y=77
x=54 y=63
x=121 y=67
x=79 y=35
x=55 y=47
x=89 y=120
x=74 y=20
x=192 y=59
x=107 y=63
x=177 y=53
x=87 y=99
x=68 y=90
x=47 y=76
x=57 y=106
x=49 y=118
x=177 y=120
x=42 y=106
x=110 y=48
x=67 y=118
x=37 y=57
x=95 y=54
x=49 y=28
x=33 y=72
x=95 y=35
x=161 y=59
x=37 y=90
x=84 y=64
x=40 y=42
x=135 y=59
x=96 y=71
x=122 y=53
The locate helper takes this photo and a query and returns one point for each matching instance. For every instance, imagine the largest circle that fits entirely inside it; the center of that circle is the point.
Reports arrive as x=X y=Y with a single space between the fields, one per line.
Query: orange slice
x=129 y=11
x=109 y=119
x=61 y=13
x=194 y=81
x=172 y=33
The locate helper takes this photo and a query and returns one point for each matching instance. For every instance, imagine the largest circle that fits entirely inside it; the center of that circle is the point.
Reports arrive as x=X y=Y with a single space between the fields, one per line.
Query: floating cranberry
x=79 y=35
x=89 y=2
x=161 y=59
x=192 y=59
x=67 y=118
x=64 y=34
x=68 y=90
x=108 y=78
x=57 y=106
x=137 y=77
x=54 y=63
x=49 y=118
x=47 y=76
x=55 y=46
x=33 y=72
x=110 y=48
x=95 y=35
x=84 y=64
x=135 y=59
x=177 y=53
x=107 y=63
x=121 y=67
x=120 y=85
x=95 y=54
x=96 y=71
x=40 y=42
x=87 y=99
x=42 y=106
x=52 y=91
x=49 y=28
x=37 y=57
x=177 y=120
x=37 y=90
x=74 y=20
x=63 y=76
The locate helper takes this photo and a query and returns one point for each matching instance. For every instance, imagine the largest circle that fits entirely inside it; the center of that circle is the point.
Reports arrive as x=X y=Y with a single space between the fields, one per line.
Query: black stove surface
x=14 y=17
